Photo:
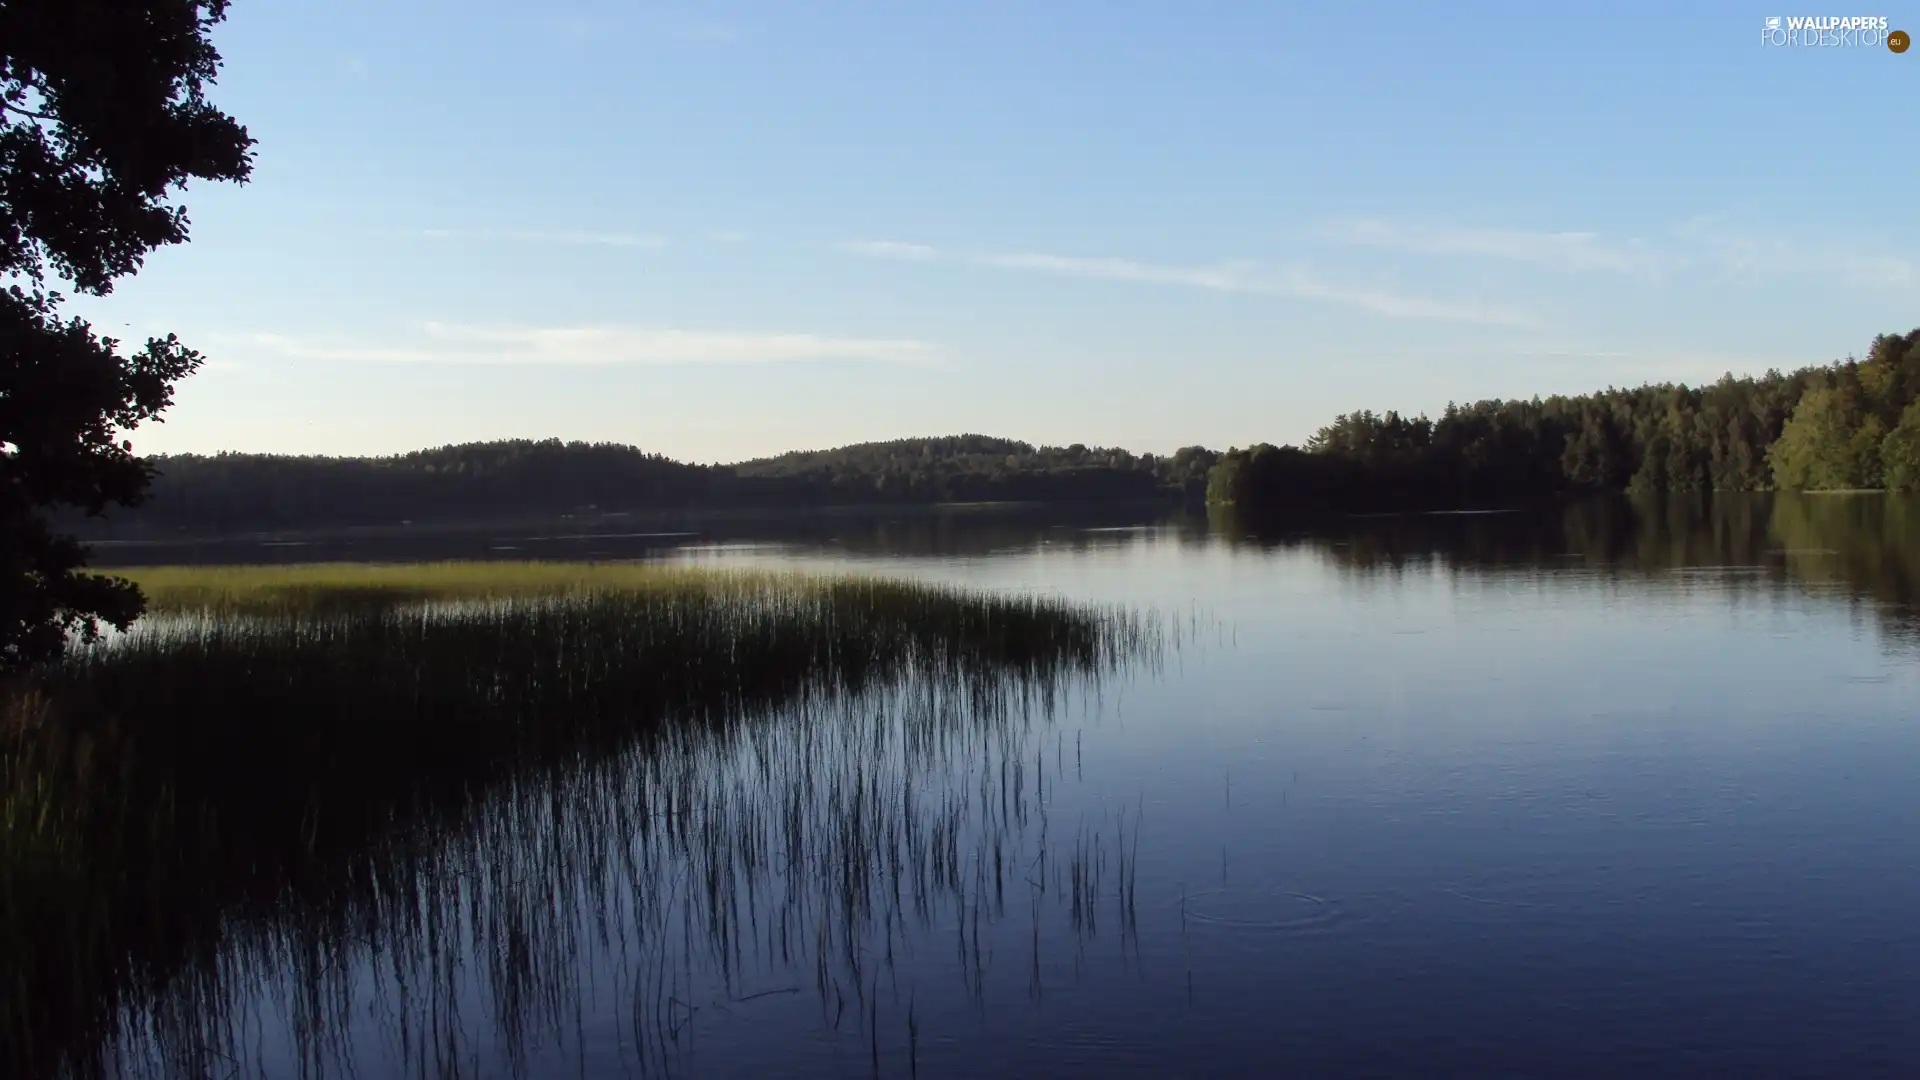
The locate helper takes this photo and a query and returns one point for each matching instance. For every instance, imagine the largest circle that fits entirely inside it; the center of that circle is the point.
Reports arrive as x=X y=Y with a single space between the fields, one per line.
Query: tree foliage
x=1900 y=452
x=1844 y=425
x=103 y=119
x=521 y=479
x=978 y=468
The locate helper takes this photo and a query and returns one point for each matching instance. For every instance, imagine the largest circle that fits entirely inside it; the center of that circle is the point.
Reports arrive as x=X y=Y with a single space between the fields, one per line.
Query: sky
x=718 y=231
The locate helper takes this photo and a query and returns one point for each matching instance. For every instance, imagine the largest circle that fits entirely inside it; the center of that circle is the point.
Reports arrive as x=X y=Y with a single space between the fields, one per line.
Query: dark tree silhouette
x=1850 y=424
x=103 y=118
x=1855 y=423
x=522 y=480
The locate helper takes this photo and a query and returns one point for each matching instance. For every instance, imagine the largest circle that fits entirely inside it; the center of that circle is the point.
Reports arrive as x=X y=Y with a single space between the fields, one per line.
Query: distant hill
x=944 y=448
x=980 y=468
x=1847 y=425
x=525 y=479
x=474 y=481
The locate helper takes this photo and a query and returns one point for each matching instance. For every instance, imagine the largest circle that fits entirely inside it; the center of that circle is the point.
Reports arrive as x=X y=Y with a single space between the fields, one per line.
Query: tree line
x=521 y=479
x=1849 y=425
x=980 y=468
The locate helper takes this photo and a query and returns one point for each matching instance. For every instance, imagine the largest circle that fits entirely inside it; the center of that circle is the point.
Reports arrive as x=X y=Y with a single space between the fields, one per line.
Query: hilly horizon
x=1852 y=424
x=951 y=444
x=956 y=443
x=978 y=444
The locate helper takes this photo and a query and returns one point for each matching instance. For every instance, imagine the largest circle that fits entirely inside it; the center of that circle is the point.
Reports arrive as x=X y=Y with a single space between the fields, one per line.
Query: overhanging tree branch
x=116 y=92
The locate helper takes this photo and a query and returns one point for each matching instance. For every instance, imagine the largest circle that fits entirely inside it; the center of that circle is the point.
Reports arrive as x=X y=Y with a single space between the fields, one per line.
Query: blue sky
x=717 y=231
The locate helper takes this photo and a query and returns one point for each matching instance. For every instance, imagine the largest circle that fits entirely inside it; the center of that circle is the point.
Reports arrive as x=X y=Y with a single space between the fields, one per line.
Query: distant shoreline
x=588 y=524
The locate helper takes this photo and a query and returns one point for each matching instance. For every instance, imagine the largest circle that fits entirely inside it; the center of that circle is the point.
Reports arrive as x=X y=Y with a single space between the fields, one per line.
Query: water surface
x=1590 y=793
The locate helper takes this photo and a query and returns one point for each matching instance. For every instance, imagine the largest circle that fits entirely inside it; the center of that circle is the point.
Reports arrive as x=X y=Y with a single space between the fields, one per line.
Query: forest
x=1854 y=424
x=493 y=482
x=977 y=468
x=1846 y=426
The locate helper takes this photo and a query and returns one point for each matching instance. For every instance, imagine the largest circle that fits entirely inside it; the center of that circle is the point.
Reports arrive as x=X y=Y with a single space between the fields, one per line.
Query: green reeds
x=343 y=766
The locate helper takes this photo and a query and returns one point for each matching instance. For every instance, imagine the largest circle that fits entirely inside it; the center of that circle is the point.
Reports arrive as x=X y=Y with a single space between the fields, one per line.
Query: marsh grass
x=298 y=782
x=316 y=587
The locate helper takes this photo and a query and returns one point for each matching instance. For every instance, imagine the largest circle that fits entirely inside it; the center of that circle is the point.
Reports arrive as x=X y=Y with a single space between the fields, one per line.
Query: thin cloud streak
x=542 y=236
x=1244 y=278
x=890 y=249
x=1400 y=306
x=1740 y=254
x=1230 y=277
x=1233 y=277
x=1699 y=245
x=1573 y=251
x=602 y=345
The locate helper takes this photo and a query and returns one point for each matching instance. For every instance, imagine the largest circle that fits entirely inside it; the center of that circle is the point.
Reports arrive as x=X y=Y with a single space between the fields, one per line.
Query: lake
x=1614 y=789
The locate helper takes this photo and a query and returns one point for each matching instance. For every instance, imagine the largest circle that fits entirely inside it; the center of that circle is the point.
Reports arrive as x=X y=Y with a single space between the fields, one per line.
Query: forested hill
x=1850 y=425
x=979 y=468
x=524 y=479
x=1854 y=424
x=470 y=482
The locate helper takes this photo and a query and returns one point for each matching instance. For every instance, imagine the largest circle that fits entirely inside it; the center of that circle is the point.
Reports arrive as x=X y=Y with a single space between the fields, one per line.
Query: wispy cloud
x=1228 y=277
x=1699 y=246
x=728 y=236
x=890 y=249
x=1743 y=254
x=459 y=343
x=1560 y=250
x=545 y=236
x=1399 y=305
x=1232 y=277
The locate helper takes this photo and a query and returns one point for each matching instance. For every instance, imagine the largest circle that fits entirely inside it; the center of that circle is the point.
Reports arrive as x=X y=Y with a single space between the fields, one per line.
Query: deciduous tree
x=103 y=120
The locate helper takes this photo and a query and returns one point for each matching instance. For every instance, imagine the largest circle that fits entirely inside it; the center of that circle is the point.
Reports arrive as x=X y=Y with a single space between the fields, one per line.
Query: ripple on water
x=1272 y=909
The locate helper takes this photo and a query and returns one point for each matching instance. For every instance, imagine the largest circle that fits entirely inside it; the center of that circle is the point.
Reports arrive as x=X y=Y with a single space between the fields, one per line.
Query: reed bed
x=311 y=587
x=288 y=780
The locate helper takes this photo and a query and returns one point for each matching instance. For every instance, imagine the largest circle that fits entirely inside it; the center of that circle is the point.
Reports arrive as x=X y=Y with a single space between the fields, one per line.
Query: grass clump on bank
x=276 y=737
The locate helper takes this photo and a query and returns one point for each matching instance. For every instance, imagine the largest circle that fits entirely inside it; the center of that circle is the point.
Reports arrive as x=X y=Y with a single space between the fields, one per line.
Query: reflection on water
x=1617 y=788
x=294 y=804
x=621 y=914
x=1865 y=548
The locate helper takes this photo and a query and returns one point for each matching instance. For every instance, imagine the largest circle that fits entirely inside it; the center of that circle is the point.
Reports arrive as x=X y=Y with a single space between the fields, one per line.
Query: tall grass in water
x=338 y=766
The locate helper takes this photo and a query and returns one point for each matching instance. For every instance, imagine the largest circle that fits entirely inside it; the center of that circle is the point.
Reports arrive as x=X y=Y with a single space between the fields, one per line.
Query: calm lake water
x=1595 y=793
